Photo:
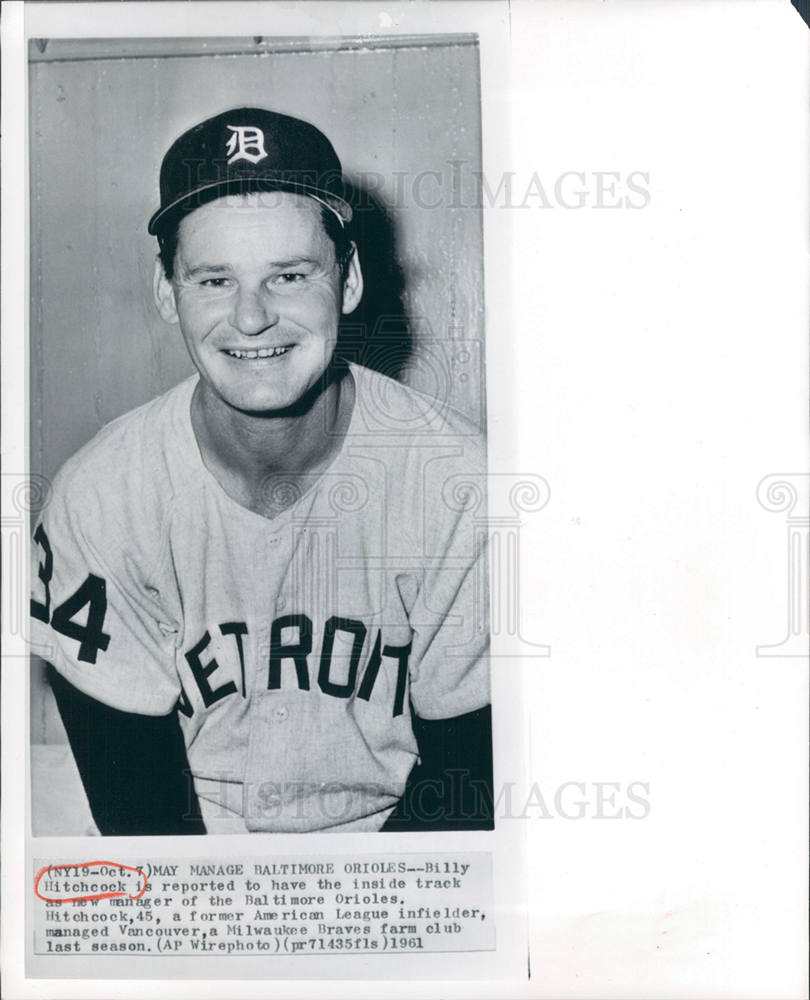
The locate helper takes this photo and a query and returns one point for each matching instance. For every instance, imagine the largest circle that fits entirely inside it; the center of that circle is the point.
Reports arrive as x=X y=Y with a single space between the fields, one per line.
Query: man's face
x=258 y=294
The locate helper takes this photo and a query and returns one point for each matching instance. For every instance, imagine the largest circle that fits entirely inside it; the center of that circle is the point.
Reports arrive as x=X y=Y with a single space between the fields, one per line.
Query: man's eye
x=214 y=282
x=291 y=278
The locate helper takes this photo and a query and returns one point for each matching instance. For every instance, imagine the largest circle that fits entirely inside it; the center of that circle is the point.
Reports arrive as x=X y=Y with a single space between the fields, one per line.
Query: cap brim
x=192 y=200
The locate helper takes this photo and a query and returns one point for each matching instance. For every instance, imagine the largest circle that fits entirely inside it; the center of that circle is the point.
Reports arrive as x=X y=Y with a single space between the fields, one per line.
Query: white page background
x=660 y=359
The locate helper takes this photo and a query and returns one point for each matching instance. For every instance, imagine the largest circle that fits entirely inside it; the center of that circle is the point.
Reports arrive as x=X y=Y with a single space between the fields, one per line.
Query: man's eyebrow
x=207 y=268
x=293 y=262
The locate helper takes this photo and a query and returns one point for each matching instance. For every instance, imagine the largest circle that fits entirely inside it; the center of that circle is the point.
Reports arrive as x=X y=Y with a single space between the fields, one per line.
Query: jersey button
x=267 y=799
x=280 y=713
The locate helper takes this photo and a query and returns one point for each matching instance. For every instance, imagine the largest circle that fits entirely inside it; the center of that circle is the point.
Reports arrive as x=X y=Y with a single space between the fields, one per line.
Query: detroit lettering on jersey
x=294 y=649
x=298 y=652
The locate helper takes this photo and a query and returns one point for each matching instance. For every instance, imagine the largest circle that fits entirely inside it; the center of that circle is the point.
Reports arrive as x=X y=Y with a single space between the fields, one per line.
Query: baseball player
x=263 y=595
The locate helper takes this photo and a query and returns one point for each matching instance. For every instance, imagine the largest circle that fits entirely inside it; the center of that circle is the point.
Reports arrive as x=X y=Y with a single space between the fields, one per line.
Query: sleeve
x=94 y=615
x=118 y=755
x=433 y=799
x=450 y=620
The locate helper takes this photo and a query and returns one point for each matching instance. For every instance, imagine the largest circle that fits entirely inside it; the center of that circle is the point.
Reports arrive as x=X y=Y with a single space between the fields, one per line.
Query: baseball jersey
x=294 y=648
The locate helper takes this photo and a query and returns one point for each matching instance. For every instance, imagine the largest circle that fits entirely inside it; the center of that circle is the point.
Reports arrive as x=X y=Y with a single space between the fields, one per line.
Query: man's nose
x=254 y=312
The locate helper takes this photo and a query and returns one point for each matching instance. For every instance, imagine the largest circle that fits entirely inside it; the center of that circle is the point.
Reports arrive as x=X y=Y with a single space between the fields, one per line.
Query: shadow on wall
x=378 y=333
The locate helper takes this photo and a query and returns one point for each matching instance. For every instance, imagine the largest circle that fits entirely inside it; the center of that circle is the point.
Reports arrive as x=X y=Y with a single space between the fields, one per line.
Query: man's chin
x=278 y=404
x=287 y=401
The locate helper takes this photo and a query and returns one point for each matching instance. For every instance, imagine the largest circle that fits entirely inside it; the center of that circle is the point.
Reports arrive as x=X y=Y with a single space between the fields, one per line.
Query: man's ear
x=352 y=284
x=164 y=293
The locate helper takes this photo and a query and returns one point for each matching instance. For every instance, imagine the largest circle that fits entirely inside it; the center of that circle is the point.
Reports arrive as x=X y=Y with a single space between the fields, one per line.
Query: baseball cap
x=248 y=149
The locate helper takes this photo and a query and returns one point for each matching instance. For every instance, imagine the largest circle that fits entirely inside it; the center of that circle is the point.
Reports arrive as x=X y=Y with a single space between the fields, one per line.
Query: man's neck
x=266 y=461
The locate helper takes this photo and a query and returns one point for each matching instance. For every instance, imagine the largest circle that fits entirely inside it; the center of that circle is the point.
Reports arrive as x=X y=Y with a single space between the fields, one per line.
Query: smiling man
x=264 y=594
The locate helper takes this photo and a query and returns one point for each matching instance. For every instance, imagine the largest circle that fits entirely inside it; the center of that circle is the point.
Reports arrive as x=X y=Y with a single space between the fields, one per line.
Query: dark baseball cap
x=244 y=150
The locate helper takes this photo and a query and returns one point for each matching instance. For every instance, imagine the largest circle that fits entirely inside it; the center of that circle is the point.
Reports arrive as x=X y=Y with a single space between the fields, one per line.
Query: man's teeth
x=265 y=352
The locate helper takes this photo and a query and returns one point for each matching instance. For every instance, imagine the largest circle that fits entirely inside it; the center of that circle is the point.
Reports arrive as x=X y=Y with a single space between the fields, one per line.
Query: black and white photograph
x=259 y=585
x=404 y=499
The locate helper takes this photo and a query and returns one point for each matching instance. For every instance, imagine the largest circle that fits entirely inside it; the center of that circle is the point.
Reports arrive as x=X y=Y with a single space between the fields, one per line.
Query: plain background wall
x=102 y=114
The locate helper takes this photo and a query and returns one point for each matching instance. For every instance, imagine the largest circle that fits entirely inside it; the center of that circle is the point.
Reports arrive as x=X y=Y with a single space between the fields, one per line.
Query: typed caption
x=376 y=903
